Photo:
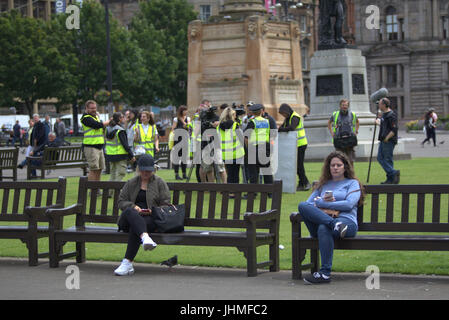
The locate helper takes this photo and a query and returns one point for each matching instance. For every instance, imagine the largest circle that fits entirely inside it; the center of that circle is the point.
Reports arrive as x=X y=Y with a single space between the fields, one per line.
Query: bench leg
x=54 y=251
x=296 y=262
x=314 y=259
x=80 y=252
x=32 y=251
x=251 y=260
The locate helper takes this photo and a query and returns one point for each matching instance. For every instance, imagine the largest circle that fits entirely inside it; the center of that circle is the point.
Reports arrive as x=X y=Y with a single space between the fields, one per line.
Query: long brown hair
x=349 y=172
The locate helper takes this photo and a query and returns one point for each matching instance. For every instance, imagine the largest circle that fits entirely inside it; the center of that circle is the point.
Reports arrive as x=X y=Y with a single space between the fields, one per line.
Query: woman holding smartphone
x=331 y=210
x=138 y=196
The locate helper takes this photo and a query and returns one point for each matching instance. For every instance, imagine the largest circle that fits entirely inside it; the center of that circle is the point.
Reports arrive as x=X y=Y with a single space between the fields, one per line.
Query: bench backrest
x=213 y=209
x=15 y=196
x=405 y=208
x=8 y=158
x=63 y=154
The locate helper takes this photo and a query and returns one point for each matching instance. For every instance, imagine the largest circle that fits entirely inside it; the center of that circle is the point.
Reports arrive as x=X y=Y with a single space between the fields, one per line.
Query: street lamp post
x=109 y=61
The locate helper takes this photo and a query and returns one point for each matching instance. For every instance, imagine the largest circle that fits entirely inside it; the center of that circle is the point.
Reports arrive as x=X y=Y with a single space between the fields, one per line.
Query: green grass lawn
x=418 y=171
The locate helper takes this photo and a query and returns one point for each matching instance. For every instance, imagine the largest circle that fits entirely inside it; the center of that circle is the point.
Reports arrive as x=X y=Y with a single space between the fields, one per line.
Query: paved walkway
x=154 y=282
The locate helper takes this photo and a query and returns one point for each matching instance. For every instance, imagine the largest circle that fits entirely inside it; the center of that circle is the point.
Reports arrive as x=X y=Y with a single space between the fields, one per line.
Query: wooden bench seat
x=57 y=158
x=386 y=222
x=26 y=202
x=209 y=209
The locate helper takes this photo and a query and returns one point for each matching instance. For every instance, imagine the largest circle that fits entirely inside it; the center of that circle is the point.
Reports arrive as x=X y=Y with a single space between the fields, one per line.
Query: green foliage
x=161 y=28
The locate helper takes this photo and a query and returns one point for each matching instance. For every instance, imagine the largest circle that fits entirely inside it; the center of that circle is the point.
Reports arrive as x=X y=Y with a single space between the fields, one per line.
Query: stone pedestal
x=287 y=152
x=335 y=75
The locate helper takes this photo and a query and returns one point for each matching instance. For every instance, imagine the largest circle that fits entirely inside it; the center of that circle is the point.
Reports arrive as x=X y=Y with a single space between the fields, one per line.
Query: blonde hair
x=227 y=114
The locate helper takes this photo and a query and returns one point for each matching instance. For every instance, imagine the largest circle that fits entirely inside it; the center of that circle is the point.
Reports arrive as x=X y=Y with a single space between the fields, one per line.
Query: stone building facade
x=408 y=54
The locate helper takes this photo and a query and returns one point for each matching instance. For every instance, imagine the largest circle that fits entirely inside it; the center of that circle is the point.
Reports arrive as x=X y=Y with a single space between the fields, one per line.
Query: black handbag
x=345 y=141
x=169 y=218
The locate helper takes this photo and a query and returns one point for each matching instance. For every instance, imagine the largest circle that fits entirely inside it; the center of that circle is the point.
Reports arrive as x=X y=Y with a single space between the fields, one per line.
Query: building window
x=445 y=25
x=304 y=58
x=303 y=23
x=392 y=24
x=39 y=9
x=21 y=6
x=392 y=75
x=204 y=12
x=3 y=5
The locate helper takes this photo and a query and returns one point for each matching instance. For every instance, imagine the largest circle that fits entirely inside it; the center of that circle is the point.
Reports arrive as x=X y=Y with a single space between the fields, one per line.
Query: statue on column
x=331 y=37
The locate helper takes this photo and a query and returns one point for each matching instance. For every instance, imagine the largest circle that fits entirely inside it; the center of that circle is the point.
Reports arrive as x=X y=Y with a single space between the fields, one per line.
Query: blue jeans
x=385 y=159
x=321 y=226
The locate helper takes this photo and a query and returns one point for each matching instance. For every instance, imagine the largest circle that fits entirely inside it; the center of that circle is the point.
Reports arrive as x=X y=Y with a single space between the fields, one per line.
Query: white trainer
x=125 y=268
x=148 y=243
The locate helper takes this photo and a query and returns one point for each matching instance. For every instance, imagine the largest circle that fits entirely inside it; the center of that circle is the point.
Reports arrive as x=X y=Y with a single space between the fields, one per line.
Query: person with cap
x=294 y=122
x=257 y=138
x=138 y=196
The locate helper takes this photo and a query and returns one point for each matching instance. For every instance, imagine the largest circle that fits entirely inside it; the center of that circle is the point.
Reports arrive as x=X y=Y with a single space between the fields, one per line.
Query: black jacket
x=388 y=123
x=287 y=125
x=38 y=138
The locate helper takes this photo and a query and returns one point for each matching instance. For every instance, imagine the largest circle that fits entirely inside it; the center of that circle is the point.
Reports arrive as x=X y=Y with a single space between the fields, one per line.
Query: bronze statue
x=331 y=38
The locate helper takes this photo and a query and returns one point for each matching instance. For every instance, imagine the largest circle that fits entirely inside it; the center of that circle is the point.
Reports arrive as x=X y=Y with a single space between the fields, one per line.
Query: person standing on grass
x=388 y=138
x=93 y=140
x=138 y=196
x=118 y=151
x=339 y=190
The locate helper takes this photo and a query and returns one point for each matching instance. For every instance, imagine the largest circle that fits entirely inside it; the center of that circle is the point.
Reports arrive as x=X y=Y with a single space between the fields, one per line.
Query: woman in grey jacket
x=136 y=199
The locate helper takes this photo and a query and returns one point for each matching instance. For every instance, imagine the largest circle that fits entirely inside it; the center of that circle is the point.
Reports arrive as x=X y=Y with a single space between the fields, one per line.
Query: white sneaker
x=341 y=228
x=125 y=268
x=148 y=243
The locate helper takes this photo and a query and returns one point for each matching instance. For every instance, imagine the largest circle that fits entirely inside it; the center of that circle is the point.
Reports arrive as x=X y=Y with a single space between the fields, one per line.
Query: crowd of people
x=238 y=138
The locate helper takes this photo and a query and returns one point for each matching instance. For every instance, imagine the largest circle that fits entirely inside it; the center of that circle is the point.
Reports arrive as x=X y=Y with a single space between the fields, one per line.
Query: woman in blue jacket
x=337 y=190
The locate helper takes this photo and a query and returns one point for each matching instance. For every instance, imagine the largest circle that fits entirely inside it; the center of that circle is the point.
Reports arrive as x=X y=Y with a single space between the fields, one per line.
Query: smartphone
x=328 y=194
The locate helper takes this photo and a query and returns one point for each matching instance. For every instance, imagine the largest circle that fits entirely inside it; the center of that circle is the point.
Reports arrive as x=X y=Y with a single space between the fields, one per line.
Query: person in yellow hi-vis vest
x=258 y=143
x=343 y=126
x=294 y=122
x=232 y=151
x=118 y=151
x=93 y=140
x=146 y=134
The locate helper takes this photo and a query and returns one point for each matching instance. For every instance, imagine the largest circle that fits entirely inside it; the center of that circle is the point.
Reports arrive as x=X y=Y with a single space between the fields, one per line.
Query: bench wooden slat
x=420 y=207
x=224 y=206
x=212 y=200
x=237 y=204
x=5 y=201
x=104 y=202
x=375 y=207
x=115 y=209
x=390 y=207
x=49 y=197
x=27 y=197
x=436 y=204
x=405 y=207
x=15 y=204
x=199 y=204
x=188 y=201
x=38 y=198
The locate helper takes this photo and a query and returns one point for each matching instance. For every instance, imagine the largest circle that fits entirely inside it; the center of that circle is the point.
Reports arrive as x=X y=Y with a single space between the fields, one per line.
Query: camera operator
x=208 y=120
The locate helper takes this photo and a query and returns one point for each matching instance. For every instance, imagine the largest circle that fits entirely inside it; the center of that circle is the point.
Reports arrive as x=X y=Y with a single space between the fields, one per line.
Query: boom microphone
x=379 y=94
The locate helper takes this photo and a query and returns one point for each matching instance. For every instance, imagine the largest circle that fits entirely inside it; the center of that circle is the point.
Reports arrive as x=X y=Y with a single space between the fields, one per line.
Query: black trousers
x=303 y=181
x=135 y=224
x=233 y=172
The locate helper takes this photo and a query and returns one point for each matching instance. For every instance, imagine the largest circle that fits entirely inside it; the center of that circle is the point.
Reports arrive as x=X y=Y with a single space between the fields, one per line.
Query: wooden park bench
x=57 y=158
x=8 y=161
x=163 y=156
x=252 y=222
x=23 y=206
x=389 y=220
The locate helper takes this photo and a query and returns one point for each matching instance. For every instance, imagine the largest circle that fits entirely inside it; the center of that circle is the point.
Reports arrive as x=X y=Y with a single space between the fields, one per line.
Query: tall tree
x=29 y=65
x=160 y=29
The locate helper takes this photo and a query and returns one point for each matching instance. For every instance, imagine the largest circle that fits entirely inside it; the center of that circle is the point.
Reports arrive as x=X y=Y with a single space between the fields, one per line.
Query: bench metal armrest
x=263 y=216
x=295 y=217
x=62 y=212
x=34 y=212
